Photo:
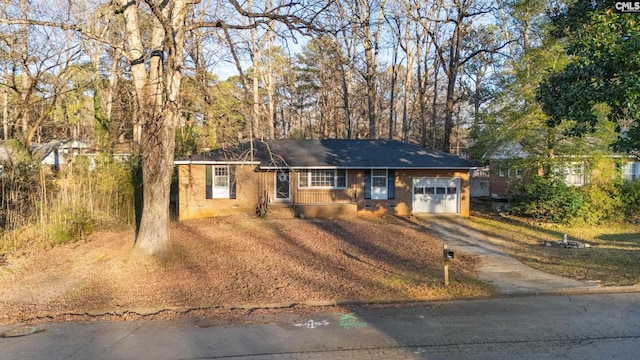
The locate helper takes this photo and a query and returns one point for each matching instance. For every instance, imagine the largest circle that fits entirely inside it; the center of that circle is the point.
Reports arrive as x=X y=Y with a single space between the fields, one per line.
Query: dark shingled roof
x=334 y=153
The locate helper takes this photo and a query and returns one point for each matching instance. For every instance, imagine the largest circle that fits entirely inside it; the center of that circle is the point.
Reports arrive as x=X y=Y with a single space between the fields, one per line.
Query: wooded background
x=174 y=77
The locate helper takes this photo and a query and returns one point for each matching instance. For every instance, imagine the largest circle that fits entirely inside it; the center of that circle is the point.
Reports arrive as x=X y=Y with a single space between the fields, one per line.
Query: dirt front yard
x=228 y=262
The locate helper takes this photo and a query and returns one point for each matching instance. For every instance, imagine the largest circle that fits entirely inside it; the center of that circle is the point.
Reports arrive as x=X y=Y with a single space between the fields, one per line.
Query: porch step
x=280 y=211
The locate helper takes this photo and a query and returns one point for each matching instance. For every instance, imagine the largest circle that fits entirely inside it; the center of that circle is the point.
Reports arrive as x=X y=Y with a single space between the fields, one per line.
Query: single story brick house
x=322 y=178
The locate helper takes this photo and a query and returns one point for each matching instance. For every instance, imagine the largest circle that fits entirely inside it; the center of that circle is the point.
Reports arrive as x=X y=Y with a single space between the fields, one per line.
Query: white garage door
x=436 y=195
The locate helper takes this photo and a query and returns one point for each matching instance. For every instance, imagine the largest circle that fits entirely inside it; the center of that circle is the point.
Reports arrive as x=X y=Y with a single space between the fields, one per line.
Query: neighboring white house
x=631 y=170
x=573 y=172
x=506 y=173
x=76 y=147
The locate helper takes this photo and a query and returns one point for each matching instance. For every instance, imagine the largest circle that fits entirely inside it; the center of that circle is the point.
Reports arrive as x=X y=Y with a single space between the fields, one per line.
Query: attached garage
x=323 y=178
x=436 y=195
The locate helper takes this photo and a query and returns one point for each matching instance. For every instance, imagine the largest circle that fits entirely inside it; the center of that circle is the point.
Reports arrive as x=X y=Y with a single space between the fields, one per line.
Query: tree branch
x=282 y=13
x=490 y=51
x=62 y=26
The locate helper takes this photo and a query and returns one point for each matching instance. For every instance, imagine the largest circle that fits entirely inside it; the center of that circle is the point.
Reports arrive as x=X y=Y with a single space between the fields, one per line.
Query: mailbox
x=449 y=255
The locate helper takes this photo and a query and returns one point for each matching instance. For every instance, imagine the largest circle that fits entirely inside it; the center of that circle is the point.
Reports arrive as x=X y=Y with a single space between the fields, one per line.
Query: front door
x=283 y=185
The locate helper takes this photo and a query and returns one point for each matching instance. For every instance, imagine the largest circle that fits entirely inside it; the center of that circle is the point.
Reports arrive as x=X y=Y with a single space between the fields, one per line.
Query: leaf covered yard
x=228 y=262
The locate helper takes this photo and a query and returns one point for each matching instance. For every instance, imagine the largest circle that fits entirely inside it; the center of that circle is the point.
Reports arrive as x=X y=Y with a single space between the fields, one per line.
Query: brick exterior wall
x=192 y=201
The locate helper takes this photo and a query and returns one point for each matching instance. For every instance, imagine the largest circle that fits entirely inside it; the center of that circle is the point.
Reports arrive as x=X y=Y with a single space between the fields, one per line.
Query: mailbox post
x=448 y=255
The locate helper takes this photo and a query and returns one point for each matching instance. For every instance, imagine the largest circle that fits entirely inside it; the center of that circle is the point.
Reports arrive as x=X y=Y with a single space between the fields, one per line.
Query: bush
x=603 y=203
x=114 y=187
x=71 y=225
x=25 y=190
x=630 y=197
x=38 y=208
x=101 y=185
x=547 y=199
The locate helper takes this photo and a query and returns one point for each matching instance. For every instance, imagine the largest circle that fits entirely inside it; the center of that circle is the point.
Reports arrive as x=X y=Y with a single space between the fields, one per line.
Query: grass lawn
x=613 y=259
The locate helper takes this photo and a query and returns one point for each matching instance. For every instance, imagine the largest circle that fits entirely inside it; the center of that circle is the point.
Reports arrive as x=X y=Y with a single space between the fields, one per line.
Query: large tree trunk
x=371 y=42
x=157 y=169
x=27 y=84
x=392 y=100
x=346 y=72
x=370 y=80
x=477 y=101
x=434 y=109
x=157 y=85
x=270 y=87
x=451 y=71
x=449 y=109
x=408 y=82
x=346 y=92
x=422 y=98
x=5 y=115
x=255 y=129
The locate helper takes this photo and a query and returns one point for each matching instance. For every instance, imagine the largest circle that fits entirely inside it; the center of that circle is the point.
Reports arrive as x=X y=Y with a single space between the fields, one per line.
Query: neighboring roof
x=46 y=152
x=53 y=158
x=509 y=150
x=332 y=154
x=77 y=144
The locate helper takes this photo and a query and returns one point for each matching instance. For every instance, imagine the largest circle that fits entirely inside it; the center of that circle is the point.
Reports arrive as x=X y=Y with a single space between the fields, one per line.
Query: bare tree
x=320 y=82
x=38 y=62
x=153 y=44
x=392 y=89
x=407 y=33
x=346 y=37
x=105 y=61
x=454 y=50
x=367 y=15
x=427 y=68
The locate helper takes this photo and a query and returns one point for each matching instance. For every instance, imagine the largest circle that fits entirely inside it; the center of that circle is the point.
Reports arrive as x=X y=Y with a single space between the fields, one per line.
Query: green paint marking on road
x=350 y=321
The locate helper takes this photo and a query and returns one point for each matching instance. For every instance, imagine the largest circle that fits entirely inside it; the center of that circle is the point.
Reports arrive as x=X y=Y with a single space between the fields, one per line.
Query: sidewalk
x=509 y=275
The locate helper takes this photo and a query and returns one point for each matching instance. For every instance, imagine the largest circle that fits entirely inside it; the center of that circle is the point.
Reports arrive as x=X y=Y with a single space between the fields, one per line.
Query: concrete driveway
x=509 y=275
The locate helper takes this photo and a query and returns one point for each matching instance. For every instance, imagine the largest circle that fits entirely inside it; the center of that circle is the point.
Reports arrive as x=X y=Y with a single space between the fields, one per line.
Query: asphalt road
x=596 y=326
